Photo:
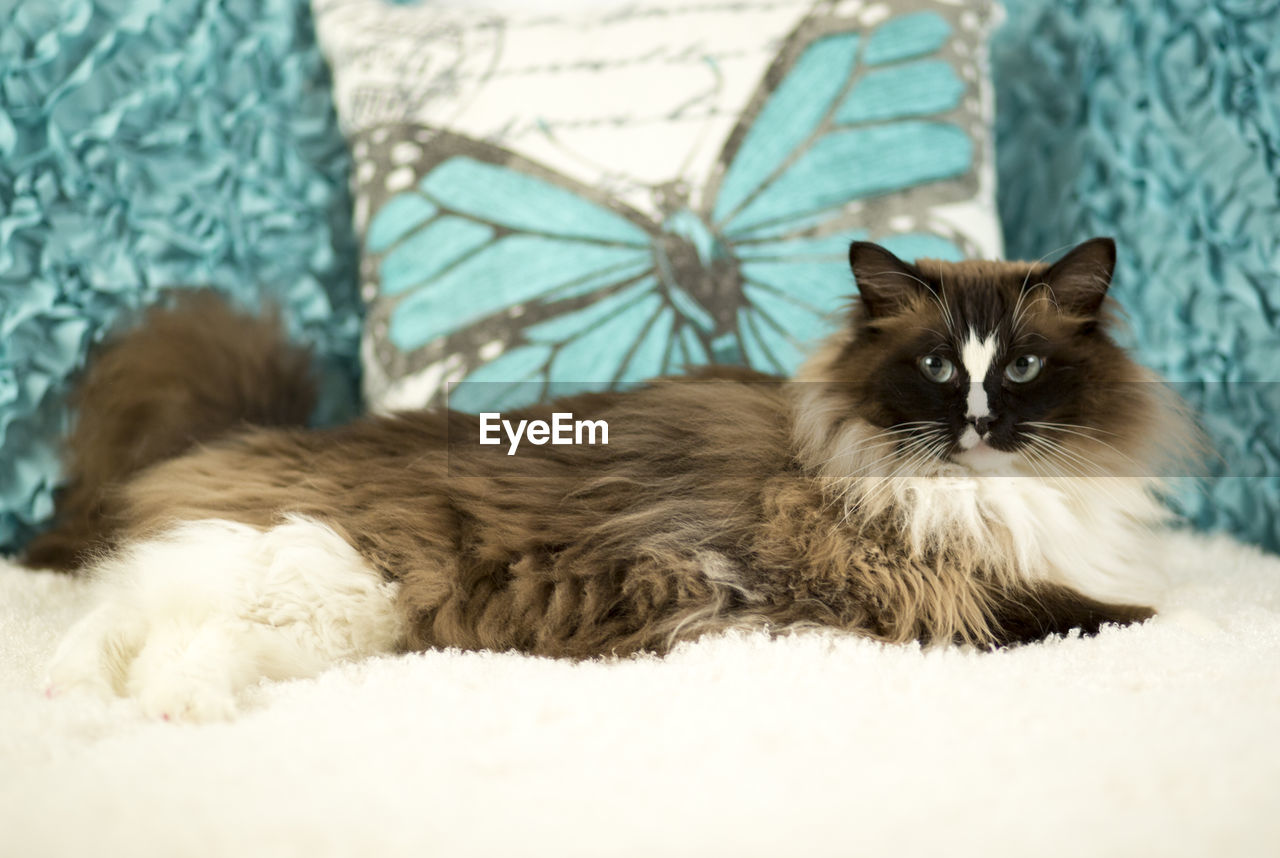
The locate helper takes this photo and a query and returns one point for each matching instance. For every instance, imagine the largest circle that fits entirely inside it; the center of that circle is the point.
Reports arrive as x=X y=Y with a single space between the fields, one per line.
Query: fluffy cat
x=970 y=459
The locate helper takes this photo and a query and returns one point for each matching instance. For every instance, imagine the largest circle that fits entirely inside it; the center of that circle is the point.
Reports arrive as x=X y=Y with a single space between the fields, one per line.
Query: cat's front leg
x=1035 y=613
x=188 y=619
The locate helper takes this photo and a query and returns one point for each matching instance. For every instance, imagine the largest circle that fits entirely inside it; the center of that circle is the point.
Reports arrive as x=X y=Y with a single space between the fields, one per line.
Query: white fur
x=984 y=459
x=977 y=356
x=1093 y=535
x=188 y=619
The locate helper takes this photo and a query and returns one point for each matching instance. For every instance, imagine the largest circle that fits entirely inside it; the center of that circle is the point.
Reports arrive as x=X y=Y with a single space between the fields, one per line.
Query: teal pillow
x=568 y=196
x=152 y=143
x=1158 y=123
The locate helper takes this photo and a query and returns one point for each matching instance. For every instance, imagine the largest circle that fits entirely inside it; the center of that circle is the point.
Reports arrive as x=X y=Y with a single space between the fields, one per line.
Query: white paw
x=191 y=671
x=95 y=655
x=186 y=698
x=176 y=670
x=190 y=618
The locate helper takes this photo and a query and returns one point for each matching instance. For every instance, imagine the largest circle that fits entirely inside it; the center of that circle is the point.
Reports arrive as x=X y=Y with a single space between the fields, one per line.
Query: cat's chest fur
x=933 y=557
x=1083 y=533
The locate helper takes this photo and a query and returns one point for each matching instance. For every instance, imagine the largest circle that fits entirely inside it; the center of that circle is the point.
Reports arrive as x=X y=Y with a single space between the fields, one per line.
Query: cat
x=970 y=459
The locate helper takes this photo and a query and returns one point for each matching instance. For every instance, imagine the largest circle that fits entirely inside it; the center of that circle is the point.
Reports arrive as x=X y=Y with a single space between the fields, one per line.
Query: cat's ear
x=1080 y=279
x=886 y=283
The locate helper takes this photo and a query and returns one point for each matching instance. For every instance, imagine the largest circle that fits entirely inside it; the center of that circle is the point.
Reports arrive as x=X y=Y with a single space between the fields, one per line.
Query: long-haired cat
x=971 y=459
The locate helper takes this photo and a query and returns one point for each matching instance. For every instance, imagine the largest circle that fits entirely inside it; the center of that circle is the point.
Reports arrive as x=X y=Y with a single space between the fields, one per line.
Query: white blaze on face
x=977 y=356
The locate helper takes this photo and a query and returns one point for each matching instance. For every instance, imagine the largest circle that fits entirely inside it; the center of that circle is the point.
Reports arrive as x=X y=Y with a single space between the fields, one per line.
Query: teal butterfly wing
x=506 y=275
x=859 y=112
x=493 y=269
x=852 y=118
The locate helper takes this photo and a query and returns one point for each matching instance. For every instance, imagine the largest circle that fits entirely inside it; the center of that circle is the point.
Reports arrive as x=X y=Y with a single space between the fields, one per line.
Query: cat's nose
x=983 y=423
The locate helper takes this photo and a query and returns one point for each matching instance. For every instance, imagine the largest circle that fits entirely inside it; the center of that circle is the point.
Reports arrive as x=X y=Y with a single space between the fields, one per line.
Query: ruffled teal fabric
x=1158 y=122
x=151 y=143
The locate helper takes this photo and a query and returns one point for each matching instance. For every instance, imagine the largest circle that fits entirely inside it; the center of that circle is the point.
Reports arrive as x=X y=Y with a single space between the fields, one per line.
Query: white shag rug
x=1162 y=740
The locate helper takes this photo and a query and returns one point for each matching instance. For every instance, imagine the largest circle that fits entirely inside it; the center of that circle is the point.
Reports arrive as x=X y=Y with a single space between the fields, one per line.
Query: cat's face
x=991 y=364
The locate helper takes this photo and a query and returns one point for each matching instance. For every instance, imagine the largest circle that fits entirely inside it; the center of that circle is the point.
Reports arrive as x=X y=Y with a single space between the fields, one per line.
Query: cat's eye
x=1023 y=368
x=936 y=369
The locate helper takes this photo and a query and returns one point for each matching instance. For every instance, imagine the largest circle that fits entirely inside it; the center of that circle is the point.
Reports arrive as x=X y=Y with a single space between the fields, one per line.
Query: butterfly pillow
x=554 y=198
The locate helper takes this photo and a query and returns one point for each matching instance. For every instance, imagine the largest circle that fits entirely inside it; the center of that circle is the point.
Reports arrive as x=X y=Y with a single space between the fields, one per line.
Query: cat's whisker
x=1016 y=324
x=942 y=305
x=905 y=450
x=1017 y=305
x=1083 y=486
x=1077 y=430
x=1036 y=264
x=861 y=473
x=894 y=273
x=1044 y=424
x=918 y=452
x=1073 y=480
x=845 y=454
x=1034 y=461
x=1053 y=472
x=907 y=467
x=947 y=316
x=1019 y=311
x=914 y=454
x=1066 y=454
x=884 y=438
x=1045 y=439
x=905 y=470
x=1079 y=468
x=1061 y=471
x=1020 y=316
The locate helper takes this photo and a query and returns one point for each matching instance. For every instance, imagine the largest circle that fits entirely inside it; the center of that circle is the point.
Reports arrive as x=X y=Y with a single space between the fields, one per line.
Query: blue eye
x=1023 y=368
x=936 y=369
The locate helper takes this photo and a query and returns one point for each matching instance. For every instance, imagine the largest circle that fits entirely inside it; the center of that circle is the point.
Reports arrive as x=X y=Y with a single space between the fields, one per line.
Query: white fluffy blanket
x=1162 y=740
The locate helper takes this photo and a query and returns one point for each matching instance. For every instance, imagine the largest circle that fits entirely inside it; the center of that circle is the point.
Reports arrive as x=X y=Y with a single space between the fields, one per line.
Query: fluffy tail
x=193 y=370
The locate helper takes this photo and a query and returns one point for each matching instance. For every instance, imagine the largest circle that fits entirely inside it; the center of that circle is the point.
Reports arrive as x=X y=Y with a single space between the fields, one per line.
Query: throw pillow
x=555 y=196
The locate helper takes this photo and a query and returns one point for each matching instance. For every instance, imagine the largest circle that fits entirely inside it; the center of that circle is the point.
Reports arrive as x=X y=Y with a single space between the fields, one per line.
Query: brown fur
x=191 y=371
x=702 y=512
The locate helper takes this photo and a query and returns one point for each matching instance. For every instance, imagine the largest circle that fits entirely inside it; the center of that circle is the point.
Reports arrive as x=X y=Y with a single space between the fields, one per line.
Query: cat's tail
x=194 y=369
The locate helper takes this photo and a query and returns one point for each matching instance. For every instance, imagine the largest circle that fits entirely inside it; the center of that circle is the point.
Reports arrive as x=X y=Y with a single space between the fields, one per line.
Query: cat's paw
x=186 y=699
x=176 y=671
x=95 y=655
x=190 y=618
x=189 y=672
